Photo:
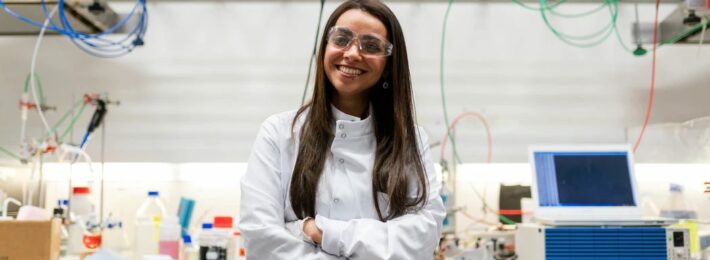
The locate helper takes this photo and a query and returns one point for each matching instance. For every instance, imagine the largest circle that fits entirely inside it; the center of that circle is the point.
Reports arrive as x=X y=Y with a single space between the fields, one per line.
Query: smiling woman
x=348 y=174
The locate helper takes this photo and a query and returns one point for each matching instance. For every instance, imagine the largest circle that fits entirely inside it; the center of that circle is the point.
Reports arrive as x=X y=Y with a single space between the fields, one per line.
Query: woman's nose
x=352 y=51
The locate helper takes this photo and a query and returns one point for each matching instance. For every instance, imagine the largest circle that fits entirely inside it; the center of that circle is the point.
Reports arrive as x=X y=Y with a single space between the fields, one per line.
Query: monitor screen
x=579 y=179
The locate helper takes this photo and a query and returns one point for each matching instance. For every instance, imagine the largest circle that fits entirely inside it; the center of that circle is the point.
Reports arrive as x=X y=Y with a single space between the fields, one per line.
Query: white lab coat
x=345 y=210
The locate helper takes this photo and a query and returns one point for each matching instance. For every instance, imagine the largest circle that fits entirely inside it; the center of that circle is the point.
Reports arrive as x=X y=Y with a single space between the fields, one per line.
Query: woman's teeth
x=350 y=71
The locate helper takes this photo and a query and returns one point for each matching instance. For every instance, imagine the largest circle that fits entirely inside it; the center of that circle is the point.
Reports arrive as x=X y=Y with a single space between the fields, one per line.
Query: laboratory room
x=356 y=129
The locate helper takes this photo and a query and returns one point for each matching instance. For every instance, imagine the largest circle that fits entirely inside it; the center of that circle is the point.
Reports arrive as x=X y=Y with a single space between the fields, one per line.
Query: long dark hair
x=397 y=158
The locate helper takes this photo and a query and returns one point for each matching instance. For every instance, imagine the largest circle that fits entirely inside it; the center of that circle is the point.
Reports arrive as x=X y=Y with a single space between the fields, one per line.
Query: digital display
x=584 y=179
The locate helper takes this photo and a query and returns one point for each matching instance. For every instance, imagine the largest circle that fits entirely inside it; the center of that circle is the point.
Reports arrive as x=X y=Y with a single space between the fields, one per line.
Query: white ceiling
x=210 y=73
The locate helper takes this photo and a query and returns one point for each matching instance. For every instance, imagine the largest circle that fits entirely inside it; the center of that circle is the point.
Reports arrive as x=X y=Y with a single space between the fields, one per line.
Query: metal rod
x=103 y=150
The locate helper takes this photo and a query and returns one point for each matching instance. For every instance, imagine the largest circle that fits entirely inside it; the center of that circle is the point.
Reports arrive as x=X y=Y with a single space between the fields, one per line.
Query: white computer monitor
x=584 y=183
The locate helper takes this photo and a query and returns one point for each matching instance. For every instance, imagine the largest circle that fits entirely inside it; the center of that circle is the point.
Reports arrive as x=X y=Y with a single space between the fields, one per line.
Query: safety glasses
x=368 y=44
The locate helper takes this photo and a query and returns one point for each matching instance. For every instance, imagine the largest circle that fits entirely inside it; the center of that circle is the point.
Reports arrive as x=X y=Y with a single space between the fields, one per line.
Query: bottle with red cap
x=81 y=211
x=222 y=230
x=80 y=203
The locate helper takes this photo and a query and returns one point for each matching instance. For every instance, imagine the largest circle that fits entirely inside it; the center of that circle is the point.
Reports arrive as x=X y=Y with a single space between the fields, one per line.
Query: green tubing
x=73 y=121
x=11 y=154
x=66 y=115
x=441 y=83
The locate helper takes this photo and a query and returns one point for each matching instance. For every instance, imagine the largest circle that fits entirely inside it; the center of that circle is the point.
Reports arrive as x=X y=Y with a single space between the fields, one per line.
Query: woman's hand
x=312 y=231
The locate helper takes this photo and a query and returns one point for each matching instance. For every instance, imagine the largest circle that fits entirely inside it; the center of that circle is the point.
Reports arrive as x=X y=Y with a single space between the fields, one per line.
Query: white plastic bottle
x=223 y=229
x=677 y=207
x=147 y=231
x=170 y=230
x=205 y=239
x=189 y=250
x=81 y=210
x=237 y=247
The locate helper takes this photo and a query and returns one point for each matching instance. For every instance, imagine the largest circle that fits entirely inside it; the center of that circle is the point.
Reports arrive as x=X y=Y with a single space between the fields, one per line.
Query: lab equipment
x=189 y=250
x=212 y=245
x=446 y=197
x=586 y=185
x=29 y=212
x=80 y=203
x=170 y=237
x=602 y=243
x=6 y=205
x=237 y=247
x=185 y=213
x=89 y=26
x=205 y=239
x=60 y=210
x=81 y=213
x=222 y=230
x=677 y=206
x=2 y=199
x=92 y=239
x=148 y=219
x=113 y=235
x=509 y=201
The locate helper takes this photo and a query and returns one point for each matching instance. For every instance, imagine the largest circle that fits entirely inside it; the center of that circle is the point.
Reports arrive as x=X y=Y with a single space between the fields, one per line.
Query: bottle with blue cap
x=189 y=250
x=677 y=206
x=147 y=231
x=205 y=239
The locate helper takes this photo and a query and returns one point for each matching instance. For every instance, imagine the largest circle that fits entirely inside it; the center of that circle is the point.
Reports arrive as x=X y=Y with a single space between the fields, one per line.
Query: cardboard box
x=29 y=240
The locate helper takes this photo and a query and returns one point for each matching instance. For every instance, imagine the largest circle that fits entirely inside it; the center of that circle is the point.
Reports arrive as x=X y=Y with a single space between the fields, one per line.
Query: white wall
x=210 y=73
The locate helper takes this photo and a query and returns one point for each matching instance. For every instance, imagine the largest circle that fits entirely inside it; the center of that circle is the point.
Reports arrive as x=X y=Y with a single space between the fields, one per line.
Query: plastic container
x=170 y=230
x=677 y=206
x=147 y=232
x=204 y=239
x=223 y=231
x=80 y=202
x=189 y=251
x=237 y=247
x=114 y=236
x=81 y=211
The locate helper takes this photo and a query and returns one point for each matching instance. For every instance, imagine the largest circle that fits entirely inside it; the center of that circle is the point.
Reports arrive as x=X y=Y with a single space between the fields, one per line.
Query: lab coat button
x=341 y=126
x=343 y=135
x=336 y=200
x=341 y=160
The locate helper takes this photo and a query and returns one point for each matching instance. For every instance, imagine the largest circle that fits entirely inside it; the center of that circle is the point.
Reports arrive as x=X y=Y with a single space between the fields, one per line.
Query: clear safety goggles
x=368 y=44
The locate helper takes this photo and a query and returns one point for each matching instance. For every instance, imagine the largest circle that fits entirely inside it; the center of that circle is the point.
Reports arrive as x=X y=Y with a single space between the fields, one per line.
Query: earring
x=385 y=85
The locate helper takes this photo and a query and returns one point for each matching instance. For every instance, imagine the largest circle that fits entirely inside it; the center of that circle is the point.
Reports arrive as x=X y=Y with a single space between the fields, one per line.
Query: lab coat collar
x=353 y=126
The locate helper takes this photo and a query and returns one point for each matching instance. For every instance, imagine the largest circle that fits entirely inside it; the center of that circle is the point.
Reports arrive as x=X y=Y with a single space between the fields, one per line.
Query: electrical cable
x=313 y=54
x=441 y=82
x=95 y=44
x=653 y=79
x=483 y=120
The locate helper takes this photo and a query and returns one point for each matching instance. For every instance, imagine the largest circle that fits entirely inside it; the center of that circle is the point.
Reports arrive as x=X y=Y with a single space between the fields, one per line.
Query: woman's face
x=352 y=71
